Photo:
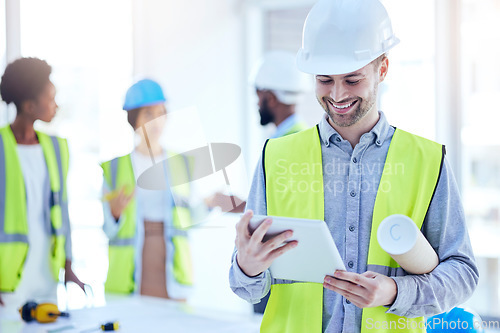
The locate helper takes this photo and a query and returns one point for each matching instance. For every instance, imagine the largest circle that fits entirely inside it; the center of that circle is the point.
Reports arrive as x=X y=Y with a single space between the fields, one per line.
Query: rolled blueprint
x=399 y=236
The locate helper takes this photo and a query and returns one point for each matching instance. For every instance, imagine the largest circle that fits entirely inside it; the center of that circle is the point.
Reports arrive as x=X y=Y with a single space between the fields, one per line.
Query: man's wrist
x=243 y=271
x=394 y=292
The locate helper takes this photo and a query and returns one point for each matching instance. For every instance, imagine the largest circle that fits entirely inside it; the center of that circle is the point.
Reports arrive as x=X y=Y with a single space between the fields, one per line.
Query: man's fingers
x=370 y=274
x=242 y=225
x=347 y=288
x=281 y=250
x=277 y=240
x=261 y=230
x=353 y=277
x=353 y=298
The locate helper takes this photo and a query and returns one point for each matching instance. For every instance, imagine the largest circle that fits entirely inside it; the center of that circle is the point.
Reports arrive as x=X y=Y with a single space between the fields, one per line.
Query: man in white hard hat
x=370 y=170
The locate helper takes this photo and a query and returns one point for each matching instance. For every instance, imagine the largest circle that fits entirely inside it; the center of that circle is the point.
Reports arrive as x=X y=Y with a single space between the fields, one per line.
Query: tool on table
x=43 y=313
x=109 y=326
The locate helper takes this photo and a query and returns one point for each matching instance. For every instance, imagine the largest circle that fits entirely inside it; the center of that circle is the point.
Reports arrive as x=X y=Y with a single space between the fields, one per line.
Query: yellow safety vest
x=298 y=307
x=118 y=173
x=13 y=212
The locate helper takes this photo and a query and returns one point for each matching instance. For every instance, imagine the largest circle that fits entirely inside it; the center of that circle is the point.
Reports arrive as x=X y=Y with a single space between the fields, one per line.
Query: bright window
x=407 y=96
x=481 y=144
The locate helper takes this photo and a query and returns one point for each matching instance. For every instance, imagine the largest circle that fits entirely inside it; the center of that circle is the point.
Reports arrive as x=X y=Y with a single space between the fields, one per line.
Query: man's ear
x=384 y=67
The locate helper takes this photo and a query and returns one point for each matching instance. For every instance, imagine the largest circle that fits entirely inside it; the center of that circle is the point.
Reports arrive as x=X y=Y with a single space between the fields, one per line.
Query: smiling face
x=349 y=98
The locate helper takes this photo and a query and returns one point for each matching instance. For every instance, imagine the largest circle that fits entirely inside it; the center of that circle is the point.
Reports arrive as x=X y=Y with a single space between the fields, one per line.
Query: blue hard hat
x=457 y=320
x=143 y=93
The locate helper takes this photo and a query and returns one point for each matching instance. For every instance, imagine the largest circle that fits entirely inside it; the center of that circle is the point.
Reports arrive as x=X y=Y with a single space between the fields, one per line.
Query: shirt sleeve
x=453 y=281
x=252 y=289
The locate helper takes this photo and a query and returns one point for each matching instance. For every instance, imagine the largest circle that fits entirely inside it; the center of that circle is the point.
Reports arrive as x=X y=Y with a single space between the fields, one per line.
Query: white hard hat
x=277 y=71
x=342 y=36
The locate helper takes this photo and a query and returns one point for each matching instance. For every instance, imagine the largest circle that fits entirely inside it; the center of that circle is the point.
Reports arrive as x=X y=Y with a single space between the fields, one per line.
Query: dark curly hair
x=23 y=80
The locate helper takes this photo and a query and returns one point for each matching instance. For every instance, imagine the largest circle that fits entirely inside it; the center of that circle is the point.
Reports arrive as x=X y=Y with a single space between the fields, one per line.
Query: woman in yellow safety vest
x=148 y=245
x=35 y=238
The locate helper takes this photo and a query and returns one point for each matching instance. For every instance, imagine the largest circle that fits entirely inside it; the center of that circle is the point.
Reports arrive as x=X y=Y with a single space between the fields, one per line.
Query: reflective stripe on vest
x=56 y=155
x=6 y=237
x=297 y=307
x=13 y=209
x=118 y=173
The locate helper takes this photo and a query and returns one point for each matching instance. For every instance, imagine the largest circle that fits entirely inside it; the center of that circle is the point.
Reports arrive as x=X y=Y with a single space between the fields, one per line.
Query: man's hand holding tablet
x=255 y=256
x=314 y=253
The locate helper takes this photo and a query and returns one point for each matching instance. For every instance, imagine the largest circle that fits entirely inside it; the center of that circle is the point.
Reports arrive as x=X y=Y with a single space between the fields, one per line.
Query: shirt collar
x=329 y=135
x=285 y=126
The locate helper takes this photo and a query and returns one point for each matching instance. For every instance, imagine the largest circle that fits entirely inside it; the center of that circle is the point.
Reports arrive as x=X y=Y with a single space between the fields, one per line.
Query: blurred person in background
x=147 y=229
x=35 y=235
x=279 y=85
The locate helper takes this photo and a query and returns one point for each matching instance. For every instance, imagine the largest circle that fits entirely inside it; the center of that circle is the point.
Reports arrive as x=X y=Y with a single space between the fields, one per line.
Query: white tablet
x=315 y=256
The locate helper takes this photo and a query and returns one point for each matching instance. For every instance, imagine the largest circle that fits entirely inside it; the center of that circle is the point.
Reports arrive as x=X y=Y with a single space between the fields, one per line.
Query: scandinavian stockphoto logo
x=339 y=177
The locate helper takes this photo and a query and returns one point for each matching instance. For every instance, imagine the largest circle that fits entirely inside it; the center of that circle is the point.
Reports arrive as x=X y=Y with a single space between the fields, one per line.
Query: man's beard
x=266 y=116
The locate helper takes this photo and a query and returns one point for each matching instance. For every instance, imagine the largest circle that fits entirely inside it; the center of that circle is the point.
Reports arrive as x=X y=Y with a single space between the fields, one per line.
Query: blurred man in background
x=279 y=86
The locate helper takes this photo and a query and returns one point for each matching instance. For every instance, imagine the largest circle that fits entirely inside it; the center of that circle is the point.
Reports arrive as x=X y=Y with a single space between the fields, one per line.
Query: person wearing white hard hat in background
x=279 y=86
x=148 y=242
x=35 y=235
x=370 y=170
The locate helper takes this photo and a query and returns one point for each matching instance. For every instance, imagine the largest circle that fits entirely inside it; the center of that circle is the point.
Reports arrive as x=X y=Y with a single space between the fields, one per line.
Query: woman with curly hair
x=35 y=238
